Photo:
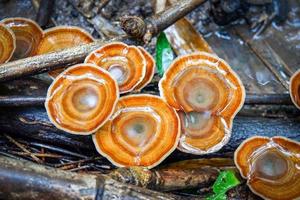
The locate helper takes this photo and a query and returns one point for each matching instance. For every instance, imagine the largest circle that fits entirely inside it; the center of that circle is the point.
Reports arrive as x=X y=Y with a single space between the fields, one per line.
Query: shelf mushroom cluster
x=207 y=94
x=200 y=97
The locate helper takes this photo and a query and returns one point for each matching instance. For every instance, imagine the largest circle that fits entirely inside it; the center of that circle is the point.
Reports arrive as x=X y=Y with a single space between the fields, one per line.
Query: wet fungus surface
x=295 y=89
x=207 y=94
x=81 y=99
x=126 y=64
x=62 y=37
x=28 y=36
x=7 y=43
x=271 y=166
x=142 y=132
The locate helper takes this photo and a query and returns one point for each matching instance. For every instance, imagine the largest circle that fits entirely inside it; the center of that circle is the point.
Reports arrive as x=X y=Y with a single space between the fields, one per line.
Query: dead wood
x=25 y=180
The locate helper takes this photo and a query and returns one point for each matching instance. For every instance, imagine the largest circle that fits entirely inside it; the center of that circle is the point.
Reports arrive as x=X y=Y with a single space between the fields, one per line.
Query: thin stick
x=251 y=99
x=23 y=149
x=46 y=62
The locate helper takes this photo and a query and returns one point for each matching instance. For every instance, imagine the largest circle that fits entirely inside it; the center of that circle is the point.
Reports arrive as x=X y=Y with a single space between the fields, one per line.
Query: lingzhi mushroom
x=207 y=94
x=7 y=43
x=81 y=99
x=62 y=37
x=143 y=131
x=28 y=36
x=271 y=166
x=295 y=89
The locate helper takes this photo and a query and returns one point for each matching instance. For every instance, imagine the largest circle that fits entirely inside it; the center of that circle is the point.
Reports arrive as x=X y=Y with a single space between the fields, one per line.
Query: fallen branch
x=46 y=62
x=145 y=29
x=167 y=179
x=26 y=180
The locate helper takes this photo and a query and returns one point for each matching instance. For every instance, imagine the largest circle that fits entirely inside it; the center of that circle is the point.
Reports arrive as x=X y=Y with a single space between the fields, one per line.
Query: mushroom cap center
x=201 y=94
x=119 y=73
x=85 y=99
x=270 y=165
x=138 y=129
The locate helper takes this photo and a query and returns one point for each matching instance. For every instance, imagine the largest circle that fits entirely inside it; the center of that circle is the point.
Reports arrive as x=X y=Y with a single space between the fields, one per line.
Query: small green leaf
x=164 y=53
x=225 y=181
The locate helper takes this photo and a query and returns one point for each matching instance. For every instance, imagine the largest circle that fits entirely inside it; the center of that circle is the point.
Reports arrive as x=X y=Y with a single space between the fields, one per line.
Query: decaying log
x=145 y=29
x=25 y=180
x=28 y=122
x=167 y=179
x=45 y=10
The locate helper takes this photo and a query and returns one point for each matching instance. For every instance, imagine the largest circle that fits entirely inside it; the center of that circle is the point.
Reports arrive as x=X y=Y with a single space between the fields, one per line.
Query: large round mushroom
x=125 y=63
x=7 y=43
x=81 y=99
x=62 y=37
x=207 y=94
x=142 y=132
x=295 y=89
x=28 y=36
x=271 y=166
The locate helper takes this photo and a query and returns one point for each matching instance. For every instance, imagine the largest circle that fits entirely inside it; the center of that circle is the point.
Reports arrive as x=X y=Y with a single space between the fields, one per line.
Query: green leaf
x=164 y=53
x=225 y=181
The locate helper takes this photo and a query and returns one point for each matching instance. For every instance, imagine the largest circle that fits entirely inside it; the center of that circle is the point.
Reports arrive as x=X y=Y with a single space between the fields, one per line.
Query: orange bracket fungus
x=28 y=36
x=150 y=67
x=295 y=89
x=271 y=166
x=81 y=99
x=125 y=63
x=207 y=94
x=62 y=37
x=7 y=43
x=142 y=132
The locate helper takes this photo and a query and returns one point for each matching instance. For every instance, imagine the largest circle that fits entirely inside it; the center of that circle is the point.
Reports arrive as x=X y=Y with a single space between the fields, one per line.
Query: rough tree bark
x=25 y=180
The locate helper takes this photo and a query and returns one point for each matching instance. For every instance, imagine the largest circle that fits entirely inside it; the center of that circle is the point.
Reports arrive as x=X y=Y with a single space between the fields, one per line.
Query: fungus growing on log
x=207 y=94
x=7 y=43
x=295 y=89
x=271 y=166
x=28 y=36
x=143 y=131
x=150 y=67
x=81 y=99
x=62 y=37
x=125 y=63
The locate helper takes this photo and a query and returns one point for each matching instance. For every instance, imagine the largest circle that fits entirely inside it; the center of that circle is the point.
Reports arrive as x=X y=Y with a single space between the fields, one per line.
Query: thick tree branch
x=26 y=180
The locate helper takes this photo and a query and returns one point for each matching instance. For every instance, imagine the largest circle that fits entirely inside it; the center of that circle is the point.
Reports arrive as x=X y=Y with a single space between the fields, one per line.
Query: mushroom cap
x=150 y=68
x=207 y=94
x=62 y=37
x=81 y=99
x=7 y=43
x=295 y=88
x=271 y=166
x=125 y=63
x=28 y=36
x=143 y=131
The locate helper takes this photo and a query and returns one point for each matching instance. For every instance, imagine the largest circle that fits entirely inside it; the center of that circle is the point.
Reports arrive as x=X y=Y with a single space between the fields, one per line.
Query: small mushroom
x=143 y=131
x=295 y=89
x=7 y=43
x=271 y=166
x=125 y=63
x=150 y=68
x=28 y=36
x=207 y=94
x=62 y=37
x=81 y=99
